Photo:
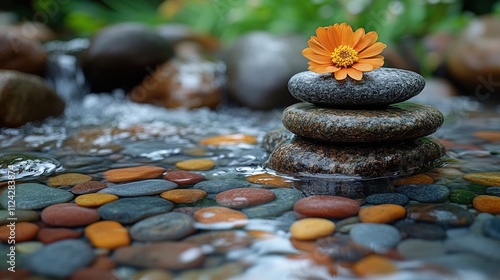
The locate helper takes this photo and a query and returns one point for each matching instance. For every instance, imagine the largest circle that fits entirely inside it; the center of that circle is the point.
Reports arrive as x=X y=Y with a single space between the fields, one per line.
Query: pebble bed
x=136 y=192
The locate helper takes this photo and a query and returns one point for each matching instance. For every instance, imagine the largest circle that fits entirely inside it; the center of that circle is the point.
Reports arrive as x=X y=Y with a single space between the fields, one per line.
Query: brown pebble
x=18 y=232
x=69 y=215
x=93 y=273
x=210 y=215
x=182 y=177
x=184 y=195
x=244 y=197
x=88 y=187
x=416 y=179
x=382 y=213
x=133 y=173
x=326 y=206
x=270 y=180
x=222 y=241
x=68 y=179
x=373 y=265
x=49 y=235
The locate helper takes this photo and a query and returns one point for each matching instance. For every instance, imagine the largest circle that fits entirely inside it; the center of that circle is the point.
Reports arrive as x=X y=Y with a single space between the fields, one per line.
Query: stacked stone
x=360 y=128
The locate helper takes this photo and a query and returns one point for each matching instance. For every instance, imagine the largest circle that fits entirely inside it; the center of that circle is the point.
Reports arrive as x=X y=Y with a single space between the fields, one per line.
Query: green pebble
x=461 y=196
x=477 y=188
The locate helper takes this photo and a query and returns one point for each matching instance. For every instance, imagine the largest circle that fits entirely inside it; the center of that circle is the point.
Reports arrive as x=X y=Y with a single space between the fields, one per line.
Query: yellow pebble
x=487 y=203
x=373 y=265
x=107 y=234
x=95 y=199
x=383 y=213
x=484 y=178
x=311 y=228
x=230 y=139
x=68 y=179
x=269 y=180
x=196 y=164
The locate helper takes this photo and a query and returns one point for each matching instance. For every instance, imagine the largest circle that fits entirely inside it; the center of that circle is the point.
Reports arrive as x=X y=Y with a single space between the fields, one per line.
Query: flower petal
x=355 y=74
x=334 y=34
x=367 y=40
x=363 y=66
x=324 y=39
x=318 y=58
x=372 y=50
x=376 y=61
x=317 y=47
x=358 y=34
x=341 y=74
x=347 y=34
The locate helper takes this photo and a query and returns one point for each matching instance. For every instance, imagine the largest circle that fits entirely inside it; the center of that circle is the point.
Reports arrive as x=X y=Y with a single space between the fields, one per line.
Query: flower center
x=344 y=56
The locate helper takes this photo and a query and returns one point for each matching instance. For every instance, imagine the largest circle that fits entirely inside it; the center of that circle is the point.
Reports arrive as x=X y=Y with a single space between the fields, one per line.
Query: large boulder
x=120 y=56
x=259 y=66
x=25 y=98
x=22 y=54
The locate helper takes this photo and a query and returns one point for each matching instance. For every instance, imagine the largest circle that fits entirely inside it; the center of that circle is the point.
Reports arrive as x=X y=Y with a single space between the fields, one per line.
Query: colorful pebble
x=69 y=215
x=383 y=213
x=88 y=187
x=135 y=173
x=244 y=197
x=326 y=206
x=210 y=215
x=68 y=179
x=195 y=164
x=18 y=232
x=184 y=195
x=484 y=178
x=487 y=203
x=373 y=266
x=312 y=228
x=95 y=199
x=229 y=139
x=270 y=180
x=416 y=179
x=182 y=177
x=107 y=234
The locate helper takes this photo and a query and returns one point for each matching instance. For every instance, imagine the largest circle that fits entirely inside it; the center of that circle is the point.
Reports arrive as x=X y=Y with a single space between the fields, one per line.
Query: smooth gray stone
x=378 y=237
x=140 y=188
x=163 y=227
x=216 y=186
x=61 y=258
x=35 y=196
x=301 y=156
x=396 y=122
x=132 y=209
x=425 y=192
x=380 y=87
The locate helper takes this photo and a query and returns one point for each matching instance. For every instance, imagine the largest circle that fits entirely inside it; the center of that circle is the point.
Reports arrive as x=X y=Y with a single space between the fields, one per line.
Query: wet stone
x=132 y=209
x=95 y=199
x=383 y=213
x=88 y=187
x=163 y=227
x=153 y=274
x=195 y=164
x=387 y=198
x=244 y=197
x=374 y=265
x=140 y=188
x=24 y=165
x=487 y=203
x=491 y=228
x=477 y=244
x=229 y=139
x=493 y=191
x=269 y=180
x=222 y=241
x=464 y=197
x=378 y=237
x=416 y=179
x=135 y=173
x=425 y=192
x=374 y=160
x=69 y=215
x=20 y=215
x=181 y=255
x=421 y=249
x=285 y=199
x=442 y=214
x=92 y=273
x=342 y=248
x=68 y=179
x=219 y=185
x=36 y=196
x=396 y=122
x=184 y=195
x=107 y=234
x=225 y=271
x=326 y=206
x=424 y=231
x=24 y=231
x=182 y=178
x=215 y=214
x=61 y=259
x=484 y=178
x=321 y=89
x=49 y=235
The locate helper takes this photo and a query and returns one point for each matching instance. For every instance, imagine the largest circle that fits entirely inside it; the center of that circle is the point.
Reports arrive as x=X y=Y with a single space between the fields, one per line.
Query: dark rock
x=347 y=186
x=380 y=87
x=163 y=227
x=366 y=160
x=120 y=56
x=493 y=191
x=425 y=192
x=187 y=81
x=219 y=185
x=140 y=188
x=132 y=209
x=25 y=98
x=36 y=196
x=276 y=137
x=61 y=259
x=259 y=65
x=397 y=122
x=442 y=214
x=425 y=231
x=21 y=54
x=387 y=198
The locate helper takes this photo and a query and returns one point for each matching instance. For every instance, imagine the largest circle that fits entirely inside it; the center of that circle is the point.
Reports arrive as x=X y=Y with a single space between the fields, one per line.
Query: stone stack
x=359 y=128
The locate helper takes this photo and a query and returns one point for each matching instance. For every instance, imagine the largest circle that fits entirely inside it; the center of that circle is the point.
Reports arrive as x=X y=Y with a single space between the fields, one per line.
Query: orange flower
x=338 y=49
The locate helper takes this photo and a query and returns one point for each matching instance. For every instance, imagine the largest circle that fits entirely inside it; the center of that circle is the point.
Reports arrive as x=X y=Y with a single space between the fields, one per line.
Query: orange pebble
x=414 y=180
x=210 y=215
x=133 y=173
x=488 y=135
x=195 y=164
x=229 y=139
x=95 y=199
x=383 y=213
x=107 y=234
x=269 y=180
x=184 y=195
x=19 y=232
x=487 y=203
x=373 y=265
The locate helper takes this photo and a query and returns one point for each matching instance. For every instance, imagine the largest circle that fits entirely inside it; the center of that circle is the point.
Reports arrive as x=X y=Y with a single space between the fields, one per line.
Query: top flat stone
x=380 y=87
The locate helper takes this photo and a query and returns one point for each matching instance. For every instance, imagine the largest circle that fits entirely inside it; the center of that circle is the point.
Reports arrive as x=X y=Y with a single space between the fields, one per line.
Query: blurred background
x=243 y=52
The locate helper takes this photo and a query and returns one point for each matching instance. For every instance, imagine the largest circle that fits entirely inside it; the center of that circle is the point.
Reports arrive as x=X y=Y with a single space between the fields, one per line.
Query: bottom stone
x=368 y=160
